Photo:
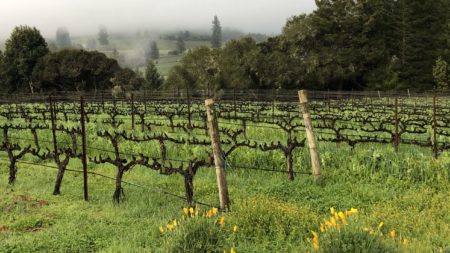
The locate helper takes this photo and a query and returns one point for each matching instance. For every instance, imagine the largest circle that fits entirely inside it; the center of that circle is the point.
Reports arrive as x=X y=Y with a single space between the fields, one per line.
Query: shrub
x=268 y=218
x=347 y=240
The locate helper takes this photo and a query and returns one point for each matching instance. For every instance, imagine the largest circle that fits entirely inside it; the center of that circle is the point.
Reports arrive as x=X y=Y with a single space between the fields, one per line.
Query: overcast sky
x=85 y=16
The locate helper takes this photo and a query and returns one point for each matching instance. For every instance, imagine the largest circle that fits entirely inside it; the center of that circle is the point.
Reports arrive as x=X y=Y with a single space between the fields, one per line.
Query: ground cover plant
x=154 y=188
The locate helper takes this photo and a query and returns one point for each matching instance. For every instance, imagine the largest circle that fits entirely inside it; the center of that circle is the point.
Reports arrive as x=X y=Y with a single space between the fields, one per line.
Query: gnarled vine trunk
x=118 y=193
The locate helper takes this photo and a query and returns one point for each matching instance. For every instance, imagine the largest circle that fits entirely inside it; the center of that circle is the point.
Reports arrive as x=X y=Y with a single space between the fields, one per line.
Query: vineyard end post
x=310 y=134
x=218 y=155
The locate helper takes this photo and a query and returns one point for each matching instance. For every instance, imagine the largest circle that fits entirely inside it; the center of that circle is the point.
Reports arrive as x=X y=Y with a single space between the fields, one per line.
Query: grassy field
x=408 y=192
x=129 y=46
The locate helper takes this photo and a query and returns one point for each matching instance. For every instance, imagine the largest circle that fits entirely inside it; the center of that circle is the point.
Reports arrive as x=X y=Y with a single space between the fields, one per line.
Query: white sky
x=85 y=16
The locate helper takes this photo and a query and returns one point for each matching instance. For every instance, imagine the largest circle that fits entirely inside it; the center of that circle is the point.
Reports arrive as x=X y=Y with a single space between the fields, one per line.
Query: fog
x=83 y=17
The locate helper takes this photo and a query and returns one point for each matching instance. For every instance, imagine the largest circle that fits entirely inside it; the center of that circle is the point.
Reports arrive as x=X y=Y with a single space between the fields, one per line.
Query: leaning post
x=218 y=155
x=310 y=134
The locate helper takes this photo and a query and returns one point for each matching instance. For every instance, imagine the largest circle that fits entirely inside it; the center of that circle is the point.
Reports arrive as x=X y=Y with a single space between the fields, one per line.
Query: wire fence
x=258 y=120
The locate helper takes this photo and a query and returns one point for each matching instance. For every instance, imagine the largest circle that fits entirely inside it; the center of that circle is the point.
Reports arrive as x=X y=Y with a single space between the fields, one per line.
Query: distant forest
x=342 y=45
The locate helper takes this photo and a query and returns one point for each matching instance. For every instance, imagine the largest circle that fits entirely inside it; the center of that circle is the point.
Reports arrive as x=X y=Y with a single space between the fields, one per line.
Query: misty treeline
x=227 y=34
x=343 y=45
x=28 y=66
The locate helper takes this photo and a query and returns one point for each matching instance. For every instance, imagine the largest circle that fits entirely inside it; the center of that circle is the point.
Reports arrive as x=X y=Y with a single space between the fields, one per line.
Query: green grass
x=408 y=191
x=273 y=214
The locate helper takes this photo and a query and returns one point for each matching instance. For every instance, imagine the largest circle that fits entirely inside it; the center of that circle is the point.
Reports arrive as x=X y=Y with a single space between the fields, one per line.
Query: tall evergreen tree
x=63 y=38
x=2 y=85
x=152 y=52
x=181 y=46
x=441 y=73
x=91 y=44
x=103 y=36
x=422 y=39
x=152 y=77
x=216 y=38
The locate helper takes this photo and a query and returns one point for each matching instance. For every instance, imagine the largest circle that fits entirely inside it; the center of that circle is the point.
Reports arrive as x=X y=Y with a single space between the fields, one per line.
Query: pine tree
x=91 y=44
x=152 y=77
x=181 y=46
x=216 y=38
x=422 y=38
x=152 y=52
x=441 y=74
x=63 y=38
x=103 y=36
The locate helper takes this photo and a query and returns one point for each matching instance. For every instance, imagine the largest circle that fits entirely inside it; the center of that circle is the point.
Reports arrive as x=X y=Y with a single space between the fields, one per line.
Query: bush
x=196 y=235
x=173 y=52
x=268 y=218
x=348 y=240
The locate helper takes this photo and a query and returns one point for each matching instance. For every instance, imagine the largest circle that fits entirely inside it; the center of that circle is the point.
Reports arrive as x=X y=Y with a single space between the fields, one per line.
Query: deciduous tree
x=22 y=51
x=75 y=70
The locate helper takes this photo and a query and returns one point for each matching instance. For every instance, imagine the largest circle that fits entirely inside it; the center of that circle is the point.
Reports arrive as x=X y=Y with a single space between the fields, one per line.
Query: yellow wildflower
x=353 y=210
x=224 y=251
x=169 y=227
x=392 y=234
x=332 y=211
x=372 y=231
x=316 y=245
x=232 y=250
x=185 y=211
x=322 y=228
x=308 y=239
x=380 y=225
x=222 y=221
x=333 y=221
x=328 y=224
x=315 y=240
x=343 y=218
x=191 y=211
x=405 y=242
x=175 y=223
x=209 y=214
x=235 y=228
x=161 y=229
x=214 y=211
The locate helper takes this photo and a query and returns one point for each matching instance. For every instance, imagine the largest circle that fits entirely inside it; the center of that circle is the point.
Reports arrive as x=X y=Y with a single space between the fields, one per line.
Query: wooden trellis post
x=83 y=143
x=53 y=122
x=397 y=121
x=435 y=139
x=132 y=111
x=218 y=155
x=315 y=162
